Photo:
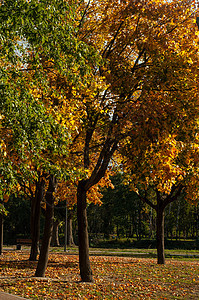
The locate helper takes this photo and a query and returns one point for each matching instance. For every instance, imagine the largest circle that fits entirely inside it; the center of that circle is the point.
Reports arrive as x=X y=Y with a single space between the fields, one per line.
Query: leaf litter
x=114 y=278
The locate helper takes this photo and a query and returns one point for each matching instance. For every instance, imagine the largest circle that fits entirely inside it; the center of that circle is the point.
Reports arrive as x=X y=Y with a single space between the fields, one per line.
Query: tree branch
x=108 y=47
x=174 y=194
x=147 y=201
x=102 y=163
x=83 y=16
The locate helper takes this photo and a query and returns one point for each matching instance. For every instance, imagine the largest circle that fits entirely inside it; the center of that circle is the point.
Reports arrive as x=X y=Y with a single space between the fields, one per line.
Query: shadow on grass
x=26 y=264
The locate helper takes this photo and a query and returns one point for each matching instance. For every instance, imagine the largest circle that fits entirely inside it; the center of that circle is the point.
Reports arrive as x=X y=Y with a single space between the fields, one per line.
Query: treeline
x=121 y=216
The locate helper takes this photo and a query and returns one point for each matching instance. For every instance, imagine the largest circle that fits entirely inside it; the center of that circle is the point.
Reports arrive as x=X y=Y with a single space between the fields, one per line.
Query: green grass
x=127 y=252
x=147 y=253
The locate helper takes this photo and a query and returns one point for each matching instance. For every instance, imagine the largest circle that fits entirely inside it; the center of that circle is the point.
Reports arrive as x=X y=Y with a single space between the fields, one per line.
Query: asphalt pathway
x=5 y=296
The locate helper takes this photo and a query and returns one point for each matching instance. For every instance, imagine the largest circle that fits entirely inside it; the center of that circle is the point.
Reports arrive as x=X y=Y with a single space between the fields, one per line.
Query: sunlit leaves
x=108 y=71
x=34 y=133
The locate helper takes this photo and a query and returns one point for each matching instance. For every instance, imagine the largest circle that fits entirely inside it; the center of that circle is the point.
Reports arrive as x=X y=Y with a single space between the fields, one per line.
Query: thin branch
x=102 y=164
x=147 y=201
x=108 y=48
x=83 y=16
x=137 y=59
x=173 y=194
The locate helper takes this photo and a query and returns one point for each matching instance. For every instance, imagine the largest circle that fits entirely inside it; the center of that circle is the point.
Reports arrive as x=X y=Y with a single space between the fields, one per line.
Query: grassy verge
x=150 y=253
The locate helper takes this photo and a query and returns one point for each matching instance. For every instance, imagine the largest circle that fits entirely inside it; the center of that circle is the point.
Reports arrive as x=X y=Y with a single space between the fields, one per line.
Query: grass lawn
x=115 y=277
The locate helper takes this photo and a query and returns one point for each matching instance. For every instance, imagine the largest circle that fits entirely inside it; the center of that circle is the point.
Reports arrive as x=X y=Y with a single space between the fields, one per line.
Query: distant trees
x=121 y=212
x=2 y=214
x=181 y=220
x=120 y=215
x=17 y=221
x=123 y=215
x=134 y=221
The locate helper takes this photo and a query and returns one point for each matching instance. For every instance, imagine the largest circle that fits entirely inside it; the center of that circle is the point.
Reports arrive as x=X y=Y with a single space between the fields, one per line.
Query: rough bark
x=1 y=234
x=151 y=223
x=55 y=234
x=160 y=235
x=197 y=223
x=48 y=228
x=35 y=220
x=177 y=222
x=70 y=241
x=98 y=172
x=84 y=262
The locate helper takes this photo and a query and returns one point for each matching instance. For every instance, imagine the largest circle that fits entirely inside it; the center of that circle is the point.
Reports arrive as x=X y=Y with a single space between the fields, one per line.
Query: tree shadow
x=27 y=264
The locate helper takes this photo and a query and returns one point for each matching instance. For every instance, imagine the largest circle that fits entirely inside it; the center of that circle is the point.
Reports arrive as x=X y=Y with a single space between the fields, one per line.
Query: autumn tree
x=36 y=200
x=163 y=161
x=160 y=174
x=3 y=213
x=39 y=37
x=144 y=47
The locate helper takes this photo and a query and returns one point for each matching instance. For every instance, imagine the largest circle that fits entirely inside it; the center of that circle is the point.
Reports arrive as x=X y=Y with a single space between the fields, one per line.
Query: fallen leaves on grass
x=115 y=278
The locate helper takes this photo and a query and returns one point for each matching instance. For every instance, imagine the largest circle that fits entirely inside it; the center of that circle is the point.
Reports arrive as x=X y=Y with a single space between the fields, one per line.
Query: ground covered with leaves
x=115 y=278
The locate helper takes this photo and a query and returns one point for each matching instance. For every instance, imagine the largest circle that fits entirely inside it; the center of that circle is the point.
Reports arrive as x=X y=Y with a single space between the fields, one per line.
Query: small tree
x=160 y=174
x=47 y=236
x=3 y=213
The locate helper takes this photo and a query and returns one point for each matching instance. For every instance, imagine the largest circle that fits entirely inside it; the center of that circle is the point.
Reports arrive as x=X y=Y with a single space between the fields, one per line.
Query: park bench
x=21 y=242
x=27 y=242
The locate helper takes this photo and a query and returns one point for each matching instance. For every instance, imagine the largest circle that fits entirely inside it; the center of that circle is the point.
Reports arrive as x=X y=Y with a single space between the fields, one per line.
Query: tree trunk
x=55 y=234
x=49 y=215
x=160 y=235
x=35 y=220
x=177 y=221
x=139 y=222
x=1 y=234
x=197 y=222
x=84 y=262
x=70 y=241
x=167 y=227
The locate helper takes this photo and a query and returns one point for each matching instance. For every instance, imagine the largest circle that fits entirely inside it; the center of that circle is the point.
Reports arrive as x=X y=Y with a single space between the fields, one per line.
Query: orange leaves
x=6 y=197
x=67 y=191
x=162 y=159
x=159 y=167
x=115 y=278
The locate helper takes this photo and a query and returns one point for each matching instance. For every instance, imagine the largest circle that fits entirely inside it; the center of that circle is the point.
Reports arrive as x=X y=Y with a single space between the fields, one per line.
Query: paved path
x=5 y=296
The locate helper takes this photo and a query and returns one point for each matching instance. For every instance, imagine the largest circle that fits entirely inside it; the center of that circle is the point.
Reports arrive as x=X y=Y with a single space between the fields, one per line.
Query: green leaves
x=36 y=36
